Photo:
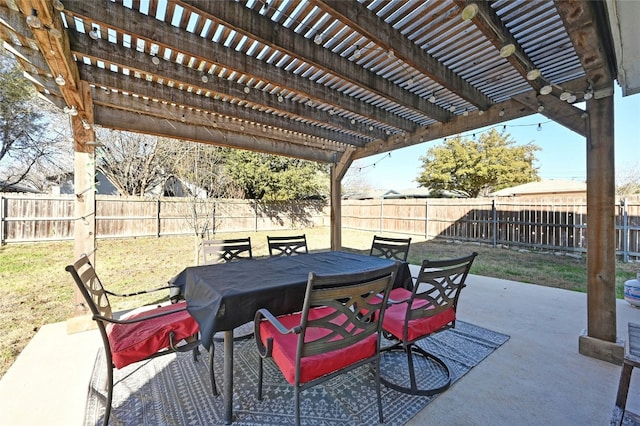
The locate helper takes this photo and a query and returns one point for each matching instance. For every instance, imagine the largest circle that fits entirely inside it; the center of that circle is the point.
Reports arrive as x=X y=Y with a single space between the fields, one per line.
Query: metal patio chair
x=390 y=248
x=429 y=308
x=338 y=329
x=287 y=246
x=228 y=250
x=137 y=336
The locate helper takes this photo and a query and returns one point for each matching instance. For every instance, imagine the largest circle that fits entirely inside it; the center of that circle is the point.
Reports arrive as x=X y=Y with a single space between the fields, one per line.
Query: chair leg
x=196 y=354
x=107 y=408
x=214 y=388
x=412 y=371
x=411 y=350
x=623 y=386
x=296 y=397
x=378 y=391
x=260 y=361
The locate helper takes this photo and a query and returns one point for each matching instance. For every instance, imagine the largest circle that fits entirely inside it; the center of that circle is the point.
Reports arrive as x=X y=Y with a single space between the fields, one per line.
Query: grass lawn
x=39 y=291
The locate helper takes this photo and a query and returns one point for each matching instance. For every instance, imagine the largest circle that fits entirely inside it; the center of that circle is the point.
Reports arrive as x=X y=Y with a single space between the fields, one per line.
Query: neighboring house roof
x=544 y=187
x=421 y=192
x=16 y=187
x=393 y=194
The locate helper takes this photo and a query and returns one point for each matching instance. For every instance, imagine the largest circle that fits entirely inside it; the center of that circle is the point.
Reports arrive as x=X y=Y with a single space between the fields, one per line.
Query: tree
x=132 y=162
x=271 y=177
x=33 y=133
x=476 y=167
x=628 y=181
x=201 y=171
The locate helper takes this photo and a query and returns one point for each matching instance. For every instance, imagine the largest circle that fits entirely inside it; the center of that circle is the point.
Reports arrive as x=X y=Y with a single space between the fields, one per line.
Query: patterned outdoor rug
x=174 y=390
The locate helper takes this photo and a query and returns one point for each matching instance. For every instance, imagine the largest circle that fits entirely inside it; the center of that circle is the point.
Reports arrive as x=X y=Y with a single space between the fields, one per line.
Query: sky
x=562 y=155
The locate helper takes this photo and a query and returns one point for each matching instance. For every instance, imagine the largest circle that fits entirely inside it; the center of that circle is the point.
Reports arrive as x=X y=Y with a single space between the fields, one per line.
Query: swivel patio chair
x=229 y=250
x=429 y=308
x=140 y=335
x=338 y=329
x=390 y=248
x=287 y=246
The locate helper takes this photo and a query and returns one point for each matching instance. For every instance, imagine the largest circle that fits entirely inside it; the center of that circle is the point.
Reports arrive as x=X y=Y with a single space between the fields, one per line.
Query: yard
x=39 y=291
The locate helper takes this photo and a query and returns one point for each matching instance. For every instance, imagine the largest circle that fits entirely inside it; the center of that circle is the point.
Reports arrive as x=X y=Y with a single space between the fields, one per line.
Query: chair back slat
x=438 y=285
x=390 y=248
x=90 y=287
x=287 y=246
x=351 y=308
x=227 y=250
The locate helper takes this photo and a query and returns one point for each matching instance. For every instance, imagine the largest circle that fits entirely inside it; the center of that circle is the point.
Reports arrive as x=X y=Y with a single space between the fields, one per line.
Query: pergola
x=333 y=81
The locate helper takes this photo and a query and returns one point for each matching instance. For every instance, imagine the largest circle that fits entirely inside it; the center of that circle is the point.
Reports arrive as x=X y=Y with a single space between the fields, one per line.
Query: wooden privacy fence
x=35 y=218
x=544 y=224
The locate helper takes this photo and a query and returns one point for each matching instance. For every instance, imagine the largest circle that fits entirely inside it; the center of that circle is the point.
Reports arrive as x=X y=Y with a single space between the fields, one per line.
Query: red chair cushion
x=134 y=342
x=312 y=367
x=395 y=315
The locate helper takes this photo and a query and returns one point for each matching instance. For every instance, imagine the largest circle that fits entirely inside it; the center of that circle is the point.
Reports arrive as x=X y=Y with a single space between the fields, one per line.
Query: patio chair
x=390 y=248
x=222 y=251
x=229 y=250
x=338 y=329
x=287 y=246
x=429 y=308
x=631 y=360
x=140 y=335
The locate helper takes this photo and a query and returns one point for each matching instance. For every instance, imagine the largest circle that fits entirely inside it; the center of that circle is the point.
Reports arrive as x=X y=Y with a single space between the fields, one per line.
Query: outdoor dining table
x=224 y=296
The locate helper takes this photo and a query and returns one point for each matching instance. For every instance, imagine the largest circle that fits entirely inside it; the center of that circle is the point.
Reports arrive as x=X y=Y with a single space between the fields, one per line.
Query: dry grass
x=38 y=291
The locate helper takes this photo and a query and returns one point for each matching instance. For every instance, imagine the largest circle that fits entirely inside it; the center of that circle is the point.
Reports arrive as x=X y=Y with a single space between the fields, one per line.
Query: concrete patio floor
x=536 y=378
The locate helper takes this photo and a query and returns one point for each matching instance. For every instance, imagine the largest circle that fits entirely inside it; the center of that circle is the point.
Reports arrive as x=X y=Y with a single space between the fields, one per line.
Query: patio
x=536 y=378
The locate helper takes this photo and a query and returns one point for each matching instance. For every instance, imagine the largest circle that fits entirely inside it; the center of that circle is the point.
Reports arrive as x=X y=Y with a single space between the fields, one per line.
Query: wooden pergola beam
x=238 y=17
x=192 y=45
x=384 y=35
x=124 y=120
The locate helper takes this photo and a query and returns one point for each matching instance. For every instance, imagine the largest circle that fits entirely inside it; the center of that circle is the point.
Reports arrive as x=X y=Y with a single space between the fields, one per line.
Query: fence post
x=381 y=215
x=495 y=222
x=625 y=232
x=426 y=220
x=3 y=222
x=158 y=218
x=255 y=214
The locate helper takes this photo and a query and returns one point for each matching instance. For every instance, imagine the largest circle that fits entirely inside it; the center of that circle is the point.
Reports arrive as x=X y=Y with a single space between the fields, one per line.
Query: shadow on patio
x=536 y=378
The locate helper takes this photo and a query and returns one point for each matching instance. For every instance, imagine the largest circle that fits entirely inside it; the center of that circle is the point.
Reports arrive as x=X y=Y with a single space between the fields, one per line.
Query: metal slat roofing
x=397 y=69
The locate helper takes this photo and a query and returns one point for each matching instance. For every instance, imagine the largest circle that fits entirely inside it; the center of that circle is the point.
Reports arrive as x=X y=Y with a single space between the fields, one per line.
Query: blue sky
x=563 y=153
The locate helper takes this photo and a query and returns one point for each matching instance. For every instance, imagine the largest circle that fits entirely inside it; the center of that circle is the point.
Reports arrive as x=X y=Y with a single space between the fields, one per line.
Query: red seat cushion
x=134 y=342
x=312 y=367
x=395 y=315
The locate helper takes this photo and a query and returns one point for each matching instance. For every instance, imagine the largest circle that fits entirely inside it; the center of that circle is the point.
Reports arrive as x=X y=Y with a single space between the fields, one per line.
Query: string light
x=387 y=155
x=33 y=21
x=507 y=50
x=545 y=90
x=533 y=74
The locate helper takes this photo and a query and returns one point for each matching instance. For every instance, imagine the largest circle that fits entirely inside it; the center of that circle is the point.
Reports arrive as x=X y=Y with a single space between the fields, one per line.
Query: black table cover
x=227 y=295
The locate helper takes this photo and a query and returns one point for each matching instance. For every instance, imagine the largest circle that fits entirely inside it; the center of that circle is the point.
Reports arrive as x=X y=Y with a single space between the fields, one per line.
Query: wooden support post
x=336 y=210
x=84 y=188
x=600 y=339
x=338 y=170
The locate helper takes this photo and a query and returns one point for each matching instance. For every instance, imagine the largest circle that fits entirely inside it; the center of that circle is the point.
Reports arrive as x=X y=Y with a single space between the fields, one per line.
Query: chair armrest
x=264 y=313
x=137 y=293
x=135 y=320
x=264 y=350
